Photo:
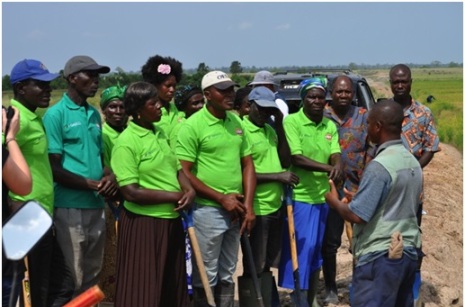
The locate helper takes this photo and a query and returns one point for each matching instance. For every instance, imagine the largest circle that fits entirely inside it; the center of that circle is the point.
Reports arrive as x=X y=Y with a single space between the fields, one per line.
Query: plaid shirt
x=353 y=134
x=418 y=130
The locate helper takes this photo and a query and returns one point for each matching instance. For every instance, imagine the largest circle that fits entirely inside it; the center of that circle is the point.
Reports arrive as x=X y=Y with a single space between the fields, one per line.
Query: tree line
x=239 y=74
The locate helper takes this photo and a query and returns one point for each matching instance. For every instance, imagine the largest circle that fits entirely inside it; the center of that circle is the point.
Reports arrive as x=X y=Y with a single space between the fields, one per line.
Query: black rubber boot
x=224 y=294
x=313 y=289
x=329 y=274
x=200 y=298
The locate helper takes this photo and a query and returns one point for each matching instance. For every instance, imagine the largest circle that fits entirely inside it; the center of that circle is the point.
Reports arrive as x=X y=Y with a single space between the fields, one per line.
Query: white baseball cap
x=218 y=79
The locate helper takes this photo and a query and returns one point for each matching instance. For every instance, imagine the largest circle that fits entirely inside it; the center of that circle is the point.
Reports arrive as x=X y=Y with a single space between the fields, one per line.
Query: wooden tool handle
x=200 y=265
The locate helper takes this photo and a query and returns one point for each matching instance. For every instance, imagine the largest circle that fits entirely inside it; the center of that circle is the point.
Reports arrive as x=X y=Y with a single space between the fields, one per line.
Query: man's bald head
x=390 y=114
x=400 y=68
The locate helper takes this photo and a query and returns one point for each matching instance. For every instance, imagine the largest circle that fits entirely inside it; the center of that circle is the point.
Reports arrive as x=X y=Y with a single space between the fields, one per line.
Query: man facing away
x=75 y=150
x=217 y=160
x=386 y=234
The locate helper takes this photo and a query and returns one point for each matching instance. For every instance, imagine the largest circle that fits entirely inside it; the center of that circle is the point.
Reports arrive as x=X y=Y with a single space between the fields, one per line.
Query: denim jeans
x=218 y=240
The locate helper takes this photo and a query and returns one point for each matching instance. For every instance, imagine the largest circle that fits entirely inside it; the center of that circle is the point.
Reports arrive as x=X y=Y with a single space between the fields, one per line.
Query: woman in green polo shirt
x=165 y=73
x=151 y=268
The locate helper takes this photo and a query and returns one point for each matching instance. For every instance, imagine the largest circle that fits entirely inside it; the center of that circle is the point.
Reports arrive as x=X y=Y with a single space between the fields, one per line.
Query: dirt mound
x=442 y=228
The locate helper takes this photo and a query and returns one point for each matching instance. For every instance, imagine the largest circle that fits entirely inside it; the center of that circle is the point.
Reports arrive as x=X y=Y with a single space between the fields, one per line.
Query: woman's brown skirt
x=150 y=264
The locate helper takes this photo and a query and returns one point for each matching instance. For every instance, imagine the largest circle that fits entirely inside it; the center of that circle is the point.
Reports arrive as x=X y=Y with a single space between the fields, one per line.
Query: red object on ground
x=87 y=298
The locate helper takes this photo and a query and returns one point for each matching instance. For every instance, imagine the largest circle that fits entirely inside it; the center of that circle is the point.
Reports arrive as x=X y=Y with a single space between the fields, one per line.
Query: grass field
x=445 y=84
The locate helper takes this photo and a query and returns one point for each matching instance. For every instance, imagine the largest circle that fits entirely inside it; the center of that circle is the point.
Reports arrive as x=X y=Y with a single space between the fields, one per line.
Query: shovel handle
x=26 y=285
x=293 y=244
x=198 y=257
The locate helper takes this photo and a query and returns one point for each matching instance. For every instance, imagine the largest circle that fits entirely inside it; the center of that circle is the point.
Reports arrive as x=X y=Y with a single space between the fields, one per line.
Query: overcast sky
x=255 y=34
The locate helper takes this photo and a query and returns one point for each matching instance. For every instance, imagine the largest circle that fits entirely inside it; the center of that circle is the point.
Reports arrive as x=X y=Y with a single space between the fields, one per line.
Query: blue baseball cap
x=263 y=96
x=31 y=69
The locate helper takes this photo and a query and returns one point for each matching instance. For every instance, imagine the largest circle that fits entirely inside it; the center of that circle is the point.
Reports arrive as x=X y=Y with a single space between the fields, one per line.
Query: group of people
x=226 y=157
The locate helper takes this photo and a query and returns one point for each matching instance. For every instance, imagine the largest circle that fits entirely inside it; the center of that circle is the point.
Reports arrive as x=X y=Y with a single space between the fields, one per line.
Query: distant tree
x=202 y=69
x=60 y=82
x=6 y=86
x=235 y=67
x=352 y=66
x=453 y=64
x=435 y=63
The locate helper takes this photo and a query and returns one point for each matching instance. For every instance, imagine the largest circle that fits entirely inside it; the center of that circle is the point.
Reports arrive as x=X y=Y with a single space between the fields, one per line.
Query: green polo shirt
x=74 y=132
x=215 y=147
x=169 y=120
x=145 y=158
x=264 y=146
x=32 y=141
x=174 y=133
x=109 y=136
x=317 y=142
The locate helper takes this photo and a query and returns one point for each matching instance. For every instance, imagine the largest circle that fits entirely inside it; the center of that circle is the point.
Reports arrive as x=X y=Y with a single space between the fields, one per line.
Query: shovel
x=198 y=256
x=252 y=269
x=300 y=301
x=26 y=285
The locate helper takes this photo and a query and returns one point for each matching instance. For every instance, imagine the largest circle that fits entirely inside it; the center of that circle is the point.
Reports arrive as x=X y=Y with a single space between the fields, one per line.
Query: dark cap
x=263 y=97
x=83 y=62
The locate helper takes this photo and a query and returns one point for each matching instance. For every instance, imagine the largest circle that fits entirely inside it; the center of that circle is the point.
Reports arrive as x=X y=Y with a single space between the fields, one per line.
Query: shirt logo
x=75 y=124
x=239 y=131
x=329 y=137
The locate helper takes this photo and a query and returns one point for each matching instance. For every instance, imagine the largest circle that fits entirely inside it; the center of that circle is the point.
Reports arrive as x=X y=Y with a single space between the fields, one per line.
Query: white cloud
x=92 y=35
x=245 y=25
x=283 y=27
x=36 y=35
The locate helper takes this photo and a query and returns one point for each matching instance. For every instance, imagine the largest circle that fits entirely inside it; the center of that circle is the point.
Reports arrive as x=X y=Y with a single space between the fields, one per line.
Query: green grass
x=446 y=85
x=56 y=95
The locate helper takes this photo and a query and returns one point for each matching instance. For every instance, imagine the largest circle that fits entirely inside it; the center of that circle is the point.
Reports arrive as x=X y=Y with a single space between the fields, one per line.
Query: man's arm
x=284 y=150
x=249 y=183
x=230 y=202
x=332 y=199
x=426 y=158
x=68 y=179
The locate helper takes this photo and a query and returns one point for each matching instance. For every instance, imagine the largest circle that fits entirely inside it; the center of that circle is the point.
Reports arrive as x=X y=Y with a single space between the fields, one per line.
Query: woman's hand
x=186 y=200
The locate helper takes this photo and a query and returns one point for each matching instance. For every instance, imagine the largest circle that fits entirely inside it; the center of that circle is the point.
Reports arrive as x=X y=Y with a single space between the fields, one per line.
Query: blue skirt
x=310 y=223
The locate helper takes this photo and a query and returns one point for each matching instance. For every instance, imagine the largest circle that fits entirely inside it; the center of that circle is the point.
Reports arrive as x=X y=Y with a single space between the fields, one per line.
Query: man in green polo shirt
x=49 y=283
x=74 y=136
x=271 y=156
x=217 y=160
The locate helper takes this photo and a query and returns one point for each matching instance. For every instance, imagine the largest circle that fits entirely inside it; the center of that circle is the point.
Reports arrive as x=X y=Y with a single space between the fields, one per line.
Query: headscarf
x=111 y=93
x=184 y=93
x=308 y=84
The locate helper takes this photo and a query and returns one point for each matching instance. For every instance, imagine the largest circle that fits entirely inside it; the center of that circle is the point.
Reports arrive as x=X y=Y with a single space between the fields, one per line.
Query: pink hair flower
x=164 y=69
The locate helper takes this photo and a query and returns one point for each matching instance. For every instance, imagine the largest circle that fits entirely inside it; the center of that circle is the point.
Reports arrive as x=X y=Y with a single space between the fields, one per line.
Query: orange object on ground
x=87 y=298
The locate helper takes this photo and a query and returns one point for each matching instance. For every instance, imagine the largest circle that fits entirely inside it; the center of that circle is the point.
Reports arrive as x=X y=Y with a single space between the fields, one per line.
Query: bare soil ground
x=442 y=228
